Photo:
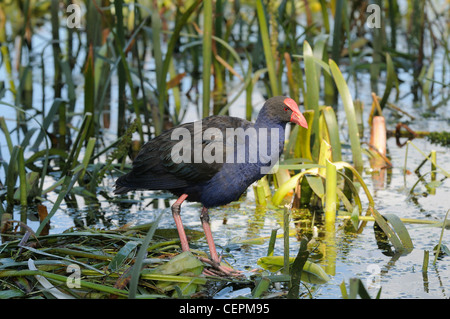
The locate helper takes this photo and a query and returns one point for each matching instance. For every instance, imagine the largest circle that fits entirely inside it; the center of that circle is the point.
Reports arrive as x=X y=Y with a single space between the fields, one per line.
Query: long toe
x=220 y=270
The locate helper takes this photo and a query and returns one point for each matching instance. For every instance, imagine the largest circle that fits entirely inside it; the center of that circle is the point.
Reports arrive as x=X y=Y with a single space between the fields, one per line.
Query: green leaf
x=401 y=231
x=391 y=78
x=11 y=293
x=261 y=287
x=312 y=96
x=357 y=288
x=316 y=185
x=207 y=56
x=443 y=250
x=343 y=288
x=296 y=270
x=312 y=273
x=265 y=36
x=136 y=271
x=122 y=255
x=185 y=262
x=355 y=217
x=289 y=185
x=350 y=115
x=303 y=148
x=333 y=132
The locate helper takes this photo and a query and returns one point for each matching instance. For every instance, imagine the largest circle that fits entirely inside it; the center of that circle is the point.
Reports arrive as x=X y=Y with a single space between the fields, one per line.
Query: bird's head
x=284 y=109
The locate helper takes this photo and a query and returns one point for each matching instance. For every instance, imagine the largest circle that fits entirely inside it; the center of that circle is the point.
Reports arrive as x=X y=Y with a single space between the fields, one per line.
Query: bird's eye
x=286 y=108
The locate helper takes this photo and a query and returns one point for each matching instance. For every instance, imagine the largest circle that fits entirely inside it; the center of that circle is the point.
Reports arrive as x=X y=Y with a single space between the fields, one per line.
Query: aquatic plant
x=148 y=64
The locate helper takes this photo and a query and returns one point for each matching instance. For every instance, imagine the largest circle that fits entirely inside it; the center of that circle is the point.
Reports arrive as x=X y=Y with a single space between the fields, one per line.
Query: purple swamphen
x=212 y=161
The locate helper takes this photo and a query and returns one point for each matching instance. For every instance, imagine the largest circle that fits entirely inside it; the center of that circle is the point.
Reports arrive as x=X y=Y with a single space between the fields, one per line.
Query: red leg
x=176 y=207
x=204 y=217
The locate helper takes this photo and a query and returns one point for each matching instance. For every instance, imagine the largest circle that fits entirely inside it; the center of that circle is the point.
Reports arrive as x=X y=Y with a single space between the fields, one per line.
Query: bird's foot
x=217 y=269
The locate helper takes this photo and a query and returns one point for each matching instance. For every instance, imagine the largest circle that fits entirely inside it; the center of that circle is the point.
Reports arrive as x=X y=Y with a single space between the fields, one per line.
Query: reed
x=270 y=59
x=350 y=115
x=331 y=194
x=222 y=51
x=312 y=96
x=286 y=220
x=207 y=56
x=136 y=271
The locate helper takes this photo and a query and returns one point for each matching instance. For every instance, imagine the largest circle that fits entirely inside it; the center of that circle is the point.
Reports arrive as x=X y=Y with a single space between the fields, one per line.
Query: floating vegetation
x=439 y=138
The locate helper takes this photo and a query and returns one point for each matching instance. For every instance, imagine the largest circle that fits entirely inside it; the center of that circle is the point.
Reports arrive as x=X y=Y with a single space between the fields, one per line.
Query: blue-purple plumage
x=221 y=176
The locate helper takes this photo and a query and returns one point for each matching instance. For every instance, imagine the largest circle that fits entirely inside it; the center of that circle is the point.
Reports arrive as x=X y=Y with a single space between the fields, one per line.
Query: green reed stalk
x=267 y=48
x=273 y=237
x=121 y=69
x=87 y=155
x=297 y=269
x=433 y=166
x=63 y=280
x=68 y=78
x=301 y=148
x=4 y=128
x=286 y=215
x=392 y=12
x=262 y=286
x=324 y=11
x=137 y=267
x=333 y=131
x=426 y=259
x=375 y=66
x=330 y=197
x=11 y=177
x=78 y=144
x=312 y=96
x=46 y=152
x=176 y=93
x=22 y=178
x=337 y=31
x=101 y=71
x=292 y=83
x=329 y=87
x=6 y=58
x=248 y=96
x=89 y=89
x=26 y=86
x=219 y=94
x=438 y=248
x=57 y=86
x=181 y=21
x=207 y=56
x=350 y=114
x=135 y=102
x=158 y=119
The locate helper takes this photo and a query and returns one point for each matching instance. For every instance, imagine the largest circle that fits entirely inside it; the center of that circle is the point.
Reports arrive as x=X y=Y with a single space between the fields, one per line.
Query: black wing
x=169 y=160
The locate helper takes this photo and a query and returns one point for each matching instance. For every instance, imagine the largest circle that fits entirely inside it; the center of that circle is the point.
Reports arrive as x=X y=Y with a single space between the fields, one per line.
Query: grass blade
x=330 y=194
x=391 y=78
x=263 y=27
x=207 y=56
x=350 y=113
x=312 y=95
x=136 y=271
x=333 y=133
x=297 y=269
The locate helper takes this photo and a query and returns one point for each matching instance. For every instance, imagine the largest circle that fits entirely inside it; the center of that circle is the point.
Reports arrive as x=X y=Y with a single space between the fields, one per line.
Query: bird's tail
x=121 y=186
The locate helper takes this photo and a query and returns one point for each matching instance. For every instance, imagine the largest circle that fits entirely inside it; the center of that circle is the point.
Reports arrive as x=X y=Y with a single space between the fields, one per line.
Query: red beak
x=297 y=116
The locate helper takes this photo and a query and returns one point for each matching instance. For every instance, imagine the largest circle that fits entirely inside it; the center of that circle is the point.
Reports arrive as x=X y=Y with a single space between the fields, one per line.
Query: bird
x=212 y=161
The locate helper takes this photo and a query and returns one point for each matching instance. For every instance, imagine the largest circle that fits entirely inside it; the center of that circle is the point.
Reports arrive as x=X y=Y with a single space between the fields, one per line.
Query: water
x=355 y=255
